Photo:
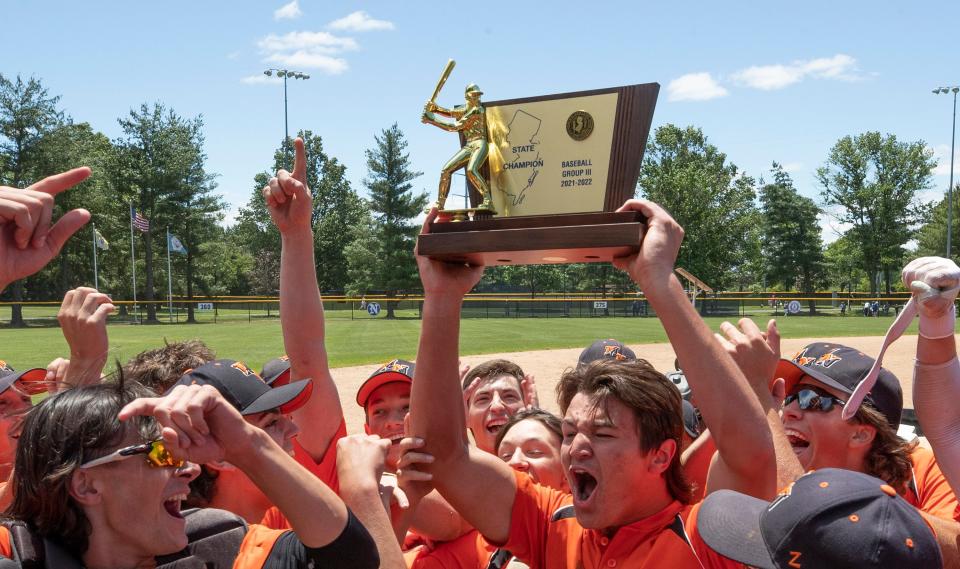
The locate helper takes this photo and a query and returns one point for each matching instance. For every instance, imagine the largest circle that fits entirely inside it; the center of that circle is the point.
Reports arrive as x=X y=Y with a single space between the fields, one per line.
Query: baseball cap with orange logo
x=842 y=368
x=606 y=349
x=827 y=518
x=394 y=371
x=246 y=390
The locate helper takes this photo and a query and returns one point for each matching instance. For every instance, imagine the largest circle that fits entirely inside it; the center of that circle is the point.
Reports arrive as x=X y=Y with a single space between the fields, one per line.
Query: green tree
x=932 y=237
x=874 y=183
x=791 y=236
x=155 y=161
x=223 y=267
x=708 y=196
x=336 y=208
x=27 y=114
x=195 y=212
x=394 y=206
x=68 y=146
x=844 y=262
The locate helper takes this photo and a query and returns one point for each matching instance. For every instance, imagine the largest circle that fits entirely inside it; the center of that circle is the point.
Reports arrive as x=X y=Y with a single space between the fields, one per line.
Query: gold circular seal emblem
x=580 y=125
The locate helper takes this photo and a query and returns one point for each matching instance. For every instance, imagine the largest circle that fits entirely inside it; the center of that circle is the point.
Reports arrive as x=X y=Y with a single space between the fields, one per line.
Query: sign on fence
x=204 y=306
x=373 y=308
x=793 y=307
x=599 y=304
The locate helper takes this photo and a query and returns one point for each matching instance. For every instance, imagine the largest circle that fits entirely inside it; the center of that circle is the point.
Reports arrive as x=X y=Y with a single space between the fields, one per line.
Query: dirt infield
x=547 y=365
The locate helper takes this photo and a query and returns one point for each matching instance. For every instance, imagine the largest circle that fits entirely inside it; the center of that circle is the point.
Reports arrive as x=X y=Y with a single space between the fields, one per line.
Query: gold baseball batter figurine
x=471 y=119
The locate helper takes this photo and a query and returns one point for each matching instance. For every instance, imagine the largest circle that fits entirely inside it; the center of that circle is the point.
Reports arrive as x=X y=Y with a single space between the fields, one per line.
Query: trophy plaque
x=544 y=176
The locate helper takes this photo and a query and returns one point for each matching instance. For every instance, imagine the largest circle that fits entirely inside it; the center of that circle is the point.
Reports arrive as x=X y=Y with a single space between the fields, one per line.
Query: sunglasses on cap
x=809 y=399
x=156 y=453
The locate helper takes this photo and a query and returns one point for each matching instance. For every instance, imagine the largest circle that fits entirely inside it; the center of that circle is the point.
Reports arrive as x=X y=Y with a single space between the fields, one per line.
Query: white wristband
x=940 y=327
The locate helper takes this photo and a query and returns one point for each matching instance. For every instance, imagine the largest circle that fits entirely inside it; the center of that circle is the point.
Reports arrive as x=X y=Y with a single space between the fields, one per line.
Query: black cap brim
x=729 y=522
x=276 y=398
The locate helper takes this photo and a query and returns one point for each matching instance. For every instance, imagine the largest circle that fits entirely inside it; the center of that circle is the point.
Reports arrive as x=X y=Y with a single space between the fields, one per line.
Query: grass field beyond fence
x=365 y=341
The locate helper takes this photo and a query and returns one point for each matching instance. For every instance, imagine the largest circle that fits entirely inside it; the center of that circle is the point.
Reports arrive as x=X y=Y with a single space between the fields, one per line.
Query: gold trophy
x=470 y=120
x=545 y=176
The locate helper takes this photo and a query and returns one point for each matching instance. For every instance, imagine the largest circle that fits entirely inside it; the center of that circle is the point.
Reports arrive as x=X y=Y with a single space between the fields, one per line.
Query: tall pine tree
x=394 y=206
x=790 y=235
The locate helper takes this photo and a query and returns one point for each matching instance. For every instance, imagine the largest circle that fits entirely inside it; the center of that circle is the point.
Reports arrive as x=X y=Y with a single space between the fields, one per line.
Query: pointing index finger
x=55 y=184
x=300 y=161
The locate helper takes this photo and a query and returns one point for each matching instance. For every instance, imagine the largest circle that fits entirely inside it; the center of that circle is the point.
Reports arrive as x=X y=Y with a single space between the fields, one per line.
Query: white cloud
x=310 y=60
x=768 y=77
x=694 y=87
x=307 y=51
x=773 y=77
x=322 y=42
x=840 y=66
x=360 y=21
x=260 y=79
x=941 y=153
x=289 y=11
x=792 y=167
x=233 y=54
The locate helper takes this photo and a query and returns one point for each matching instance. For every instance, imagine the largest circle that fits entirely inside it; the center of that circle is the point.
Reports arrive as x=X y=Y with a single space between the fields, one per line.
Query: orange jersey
x=325 y=470
x=469 y=551
x=545 y=534
x=928 y=490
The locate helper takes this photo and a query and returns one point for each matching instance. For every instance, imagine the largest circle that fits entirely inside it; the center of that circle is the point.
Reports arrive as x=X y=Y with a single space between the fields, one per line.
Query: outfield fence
x=502 y=305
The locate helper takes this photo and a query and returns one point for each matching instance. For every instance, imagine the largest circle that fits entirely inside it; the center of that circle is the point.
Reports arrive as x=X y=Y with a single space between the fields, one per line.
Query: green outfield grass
x=364 y=341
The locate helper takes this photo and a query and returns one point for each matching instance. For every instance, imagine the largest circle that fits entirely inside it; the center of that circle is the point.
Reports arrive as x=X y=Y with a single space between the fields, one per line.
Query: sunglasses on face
x=156 y=453
x=810 y=400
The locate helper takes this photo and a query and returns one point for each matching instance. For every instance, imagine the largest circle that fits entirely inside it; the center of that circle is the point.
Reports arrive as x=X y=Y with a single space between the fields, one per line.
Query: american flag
x=141 y=223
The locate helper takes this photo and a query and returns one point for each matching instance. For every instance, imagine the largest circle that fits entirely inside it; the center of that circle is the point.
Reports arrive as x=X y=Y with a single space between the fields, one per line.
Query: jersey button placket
x=611 y=563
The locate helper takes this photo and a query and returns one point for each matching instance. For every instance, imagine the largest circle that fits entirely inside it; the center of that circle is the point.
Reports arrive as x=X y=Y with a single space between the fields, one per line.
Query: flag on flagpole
x=175 y=245
x=100 y=240
x=141 y=223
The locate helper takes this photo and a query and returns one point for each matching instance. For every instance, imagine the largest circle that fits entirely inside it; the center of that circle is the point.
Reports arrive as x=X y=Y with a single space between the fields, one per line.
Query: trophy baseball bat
x=443 y=79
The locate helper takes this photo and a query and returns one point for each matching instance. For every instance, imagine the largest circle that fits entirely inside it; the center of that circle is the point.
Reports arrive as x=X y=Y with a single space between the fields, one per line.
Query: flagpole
x=96 y=280
x=133 y=263
x=169 y=277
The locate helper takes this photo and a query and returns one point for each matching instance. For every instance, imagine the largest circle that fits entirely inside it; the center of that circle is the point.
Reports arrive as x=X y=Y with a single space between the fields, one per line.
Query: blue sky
x=765 y=80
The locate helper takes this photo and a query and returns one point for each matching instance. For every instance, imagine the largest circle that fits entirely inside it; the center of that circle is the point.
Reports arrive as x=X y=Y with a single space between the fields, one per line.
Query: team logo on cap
x=613 y=352
x=784 y=494
x=801 y=359
x=242 y=368
x=828 y=359
x=396 y=366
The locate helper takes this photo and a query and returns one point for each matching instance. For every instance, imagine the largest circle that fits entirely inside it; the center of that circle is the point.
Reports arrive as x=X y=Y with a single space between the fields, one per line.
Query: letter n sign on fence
x=373 y=308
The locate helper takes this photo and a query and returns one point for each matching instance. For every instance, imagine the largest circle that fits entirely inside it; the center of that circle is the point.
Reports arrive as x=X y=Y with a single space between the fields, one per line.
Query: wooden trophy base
x=536 y=240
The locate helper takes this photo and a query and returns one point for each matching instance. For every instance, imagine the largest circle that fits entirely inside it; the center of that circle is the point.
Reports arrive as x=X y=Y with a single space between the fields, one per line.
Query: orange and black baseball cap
x=276 y=372
x=394 y=371
x=245 y=390
x=827 y=518
x=30 y=381
x=842 y=368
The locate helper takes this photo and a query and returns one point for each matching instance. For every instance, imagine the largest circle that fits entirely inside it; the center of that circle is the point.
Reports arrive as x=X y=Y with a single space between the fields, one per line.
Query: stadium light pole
x=953 y=137
x=285 y=74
